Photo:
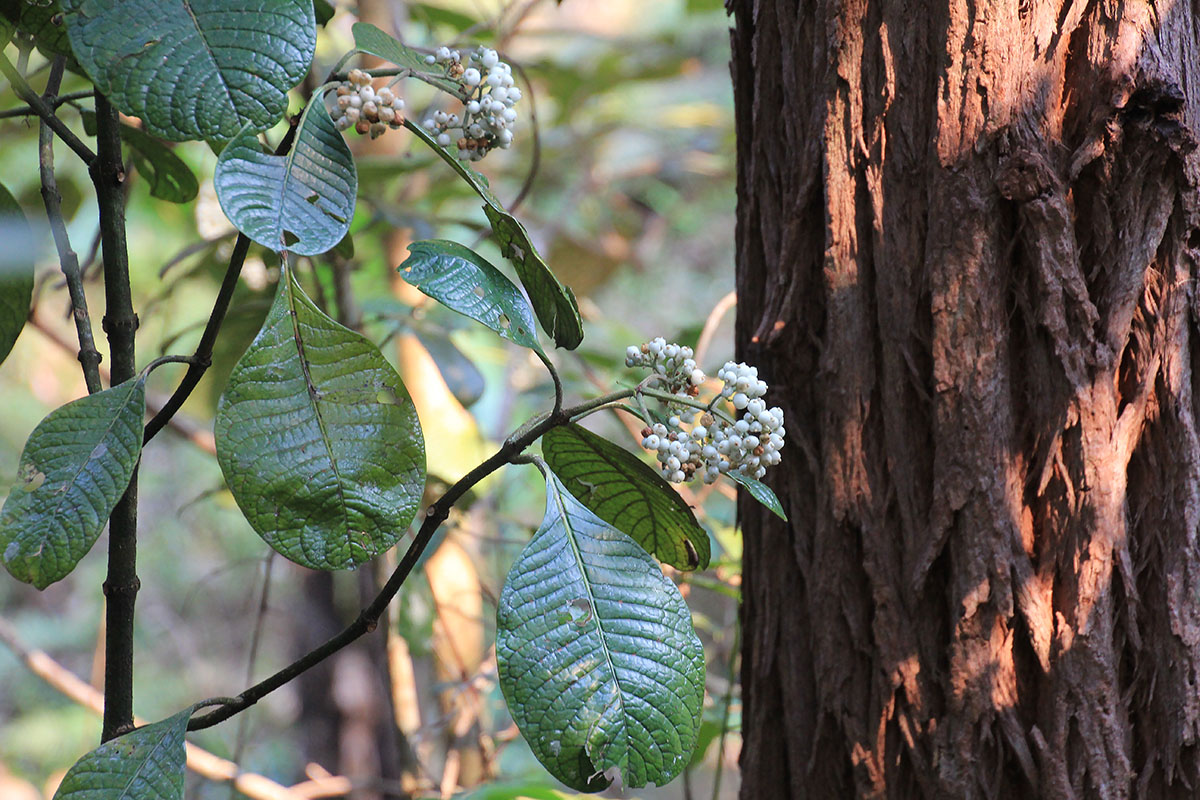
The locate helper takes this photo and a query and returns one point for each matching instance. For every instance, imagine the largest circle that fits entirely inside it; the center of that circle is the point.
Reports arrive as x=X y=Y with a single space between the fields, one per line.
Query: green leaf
x=16 y=271
x=318 y=438
x=302 y=202
x=145 y=764
x=553 y=301
x=76 y=465
x=626 y=493
x=760 y=492
x=194 y=69
x=41 y=20
x=464 y=281
x=370 y=39
x=324 y=11
x=597 y=656
x=170 y=179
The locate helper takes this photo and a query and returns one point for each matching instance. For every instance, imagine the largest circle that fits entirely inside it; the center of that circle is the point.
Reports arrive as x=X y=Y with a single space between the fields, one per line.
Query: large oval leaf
x=463 y=280
x=16 y=271
x=318 y=438
x=76 y=465
x=301 y=202
x=597 y=656
x=553 y=300
x=194 y=69
x=144 y=764
x=626 y=493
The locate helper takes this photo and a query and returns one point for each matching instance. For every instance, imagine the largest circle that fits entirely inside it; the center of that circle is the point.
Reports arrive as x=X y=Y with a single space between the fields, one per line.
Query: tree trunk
x=966 y=238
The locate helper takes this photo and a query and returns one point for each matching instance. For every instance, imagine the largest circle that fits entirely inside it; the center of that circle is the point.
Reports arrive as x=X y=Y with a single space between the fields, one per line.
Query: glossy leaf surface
x=302 y=202
x=144 y=764
x=76 y=465
x=553 y=301
x=318 y=438
x=760 y=492
x=463 y=280
x=16 y=271
x=597 y=656
x=370 y=39
x=194 y=69
x=626 y=493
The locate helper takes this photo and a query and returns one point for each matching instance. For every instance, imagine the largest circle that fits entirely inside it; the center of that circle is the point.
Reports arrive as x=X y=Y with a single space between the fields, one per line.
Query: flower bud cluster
x=712 y=444
x=489 y=113
x=362 y=107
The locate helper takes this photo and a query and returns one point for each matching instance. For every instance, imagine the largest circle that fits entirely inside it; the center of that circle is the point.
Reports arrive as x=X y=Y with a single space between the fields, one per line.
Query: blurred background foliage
x=624 y=173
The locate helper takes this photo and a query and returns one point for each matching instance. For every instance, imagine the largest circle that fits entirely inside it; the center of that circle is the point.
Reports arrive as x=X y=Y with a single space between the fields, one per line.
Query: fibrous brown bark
x=967 y=233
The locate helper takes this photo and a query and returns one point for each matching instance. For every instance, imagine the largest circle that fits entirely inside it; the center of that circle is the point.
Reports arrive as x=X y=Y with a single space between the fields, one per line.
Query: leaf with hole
x=597 y=656
x=318 y=438
x=16 y=271
x=75 y=466
x=626 y=493
x=194 y=69
x=553 y=301
x=370 y=39
x=760 y=492
x=464 y=281
x=302 y=202
x=145 y=764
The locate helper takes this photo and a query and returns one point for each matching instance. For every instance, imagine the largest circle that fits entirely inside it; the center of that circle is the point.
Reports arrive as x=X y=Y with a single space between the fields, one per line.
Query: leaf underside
x=597 y=656
x=626 y=493
x=553 y=301
x=318 y=438
x=370 y=39
x=16 y=271
x=464 y=281
x=194 y=69
x=144 y=764
x=302 y=202
x=75 y=466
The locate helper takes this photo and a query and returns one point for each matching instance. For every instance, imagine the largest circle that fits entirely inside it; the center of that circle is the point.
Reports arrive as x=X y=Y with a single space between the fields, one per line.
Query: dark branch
x=44 y=111
x=367 y=619
x=202 y=358
x=89 y=357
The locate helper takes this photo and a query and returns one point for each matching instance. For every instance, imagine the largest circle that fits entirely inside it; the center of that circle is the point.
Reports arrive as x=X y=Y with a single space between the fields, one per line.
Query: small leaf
x=370 y=39
x=464 y=281
x=76 y=465
x=16 y=271
x=760 y=492
x=269 y=197
x=624 y=492
x=324 y=11
x=170 y=179
x=145 y=764
x=553 y=301
x=318 y=439
x=194 y=69
x=596 y=652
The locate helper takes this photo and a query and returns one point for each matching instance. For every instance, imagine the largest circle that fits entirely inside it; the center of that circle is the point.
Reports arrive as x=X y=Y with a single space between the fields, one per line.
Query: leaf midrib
x=312 y=397
x=145 y=761
x=554 y=489
x=187 y=5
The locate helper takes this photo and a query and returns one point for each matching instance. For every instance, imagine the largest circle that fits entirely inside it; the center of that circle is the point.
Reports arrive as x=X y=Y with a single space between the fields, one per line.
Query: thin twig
x=200 y=761
x=89 y=356
x=239 y=740
x=30 y=111
x=44 y=111
x=710 y=325
x=368 y=618
x=733 y=656
x=202 y=358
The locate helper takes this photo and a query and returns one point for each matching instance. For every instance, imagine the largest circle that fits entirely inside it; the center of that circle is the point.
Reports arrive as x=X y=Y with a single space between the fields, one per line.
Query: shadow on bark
x=966 y=238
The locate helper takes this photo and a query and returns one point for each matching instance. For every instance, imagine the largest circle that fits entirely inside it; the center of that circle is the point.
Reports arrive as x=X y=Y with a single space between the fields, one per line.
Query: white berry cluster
x=489 y=112
x=362 y=107
x=713 y=444
x=672 y=363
